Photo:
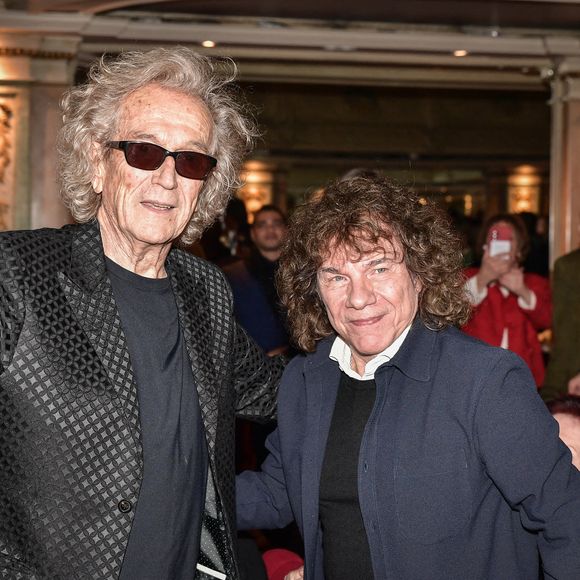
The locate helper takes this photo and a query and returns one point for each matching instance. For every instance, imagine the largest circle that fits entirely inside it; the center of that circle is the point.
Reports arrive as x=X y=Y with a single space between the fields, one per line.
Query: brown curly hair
x=353 y=214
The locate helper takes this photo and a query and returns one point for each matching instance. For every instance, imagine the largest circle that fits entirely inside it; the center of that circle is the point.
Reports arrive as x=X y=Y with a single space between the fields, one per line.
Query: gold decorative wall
x=9 y=117
x=35 y=70
x=524 y=189
x=257 y=188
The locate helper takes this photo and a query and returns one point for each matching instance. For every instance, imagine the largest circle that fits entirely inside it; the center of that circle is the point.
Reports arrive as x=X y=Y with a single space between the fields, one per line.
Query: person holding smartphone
x=510 y=306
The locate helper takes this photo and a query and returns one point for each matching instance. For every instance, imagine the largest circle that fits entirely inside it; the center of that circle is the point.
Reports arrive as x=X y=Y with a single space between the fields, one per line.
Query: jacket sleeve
x=256 y=378
x=261 y=496
x=12 y=308
x=255 y=375
x=541 y=315
x=270 y=498
x=518 y=443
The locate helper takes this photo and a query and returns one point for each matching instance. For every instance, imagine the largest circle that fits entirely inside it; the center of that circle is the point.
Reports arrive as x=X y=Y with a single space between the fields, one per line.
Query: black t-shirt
x=164 y=539
x=344 y=540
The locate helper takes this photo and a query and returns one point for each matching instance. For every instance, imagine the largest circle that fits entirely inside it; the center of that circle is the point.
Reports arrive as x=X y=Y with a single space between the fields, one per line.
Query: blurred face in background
x=268 y=231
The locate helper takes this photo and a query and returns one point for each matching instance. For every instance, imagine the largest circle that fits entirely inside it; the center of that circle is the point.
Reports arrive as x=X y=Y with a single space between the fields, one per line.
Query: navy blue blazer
x=461 y=472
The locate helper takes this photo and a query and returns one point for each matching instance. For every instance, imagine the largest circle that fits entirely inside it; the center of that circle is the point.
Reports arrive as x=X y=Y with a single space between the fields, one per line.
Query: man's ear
x=417 y=284
x=98 y=177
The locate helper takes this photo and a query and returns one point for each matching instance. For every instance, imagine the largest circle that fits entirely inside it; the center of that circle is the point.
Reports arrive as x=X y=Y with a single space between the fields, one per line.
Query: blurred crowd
x=516 y=303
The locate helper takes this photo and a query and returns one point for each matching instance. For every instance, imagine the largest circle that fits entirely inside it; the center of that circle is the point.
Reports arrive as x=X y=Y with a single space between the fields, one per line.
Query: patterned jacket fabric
x=70 y=448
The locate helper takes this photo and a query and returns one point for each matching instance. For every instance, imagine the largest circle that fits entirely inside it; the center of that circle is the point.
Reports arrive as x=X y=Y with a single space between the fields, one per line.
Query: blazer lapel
x=194 y=317
x=322 y=378
x=90 y=296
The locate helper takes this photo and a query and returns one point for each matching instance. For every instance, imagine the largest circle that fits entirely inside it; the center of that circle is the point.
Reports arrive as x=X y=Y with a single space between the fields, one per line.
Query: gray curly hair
x=91 y=116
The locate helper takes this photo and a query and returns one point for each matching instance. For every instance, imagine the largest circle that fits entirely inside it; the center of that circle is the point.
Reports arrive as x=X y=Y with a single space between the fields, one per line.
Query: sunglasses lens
x=150 y=157
x=144 y=155
x=194 y=165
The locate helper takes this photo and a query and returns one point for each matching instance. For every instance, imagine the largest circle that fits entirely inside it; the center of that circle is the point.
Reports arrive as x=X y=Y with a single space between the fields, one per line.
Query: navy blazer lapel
x=322 y=378
x=90 y=297
x=194 y=310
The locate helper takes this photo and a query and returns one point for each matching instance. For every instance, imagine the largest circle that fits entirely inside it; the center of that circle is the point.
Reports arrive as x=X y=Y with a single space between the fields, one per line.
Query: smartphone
x=499 y=239
x=499 y=247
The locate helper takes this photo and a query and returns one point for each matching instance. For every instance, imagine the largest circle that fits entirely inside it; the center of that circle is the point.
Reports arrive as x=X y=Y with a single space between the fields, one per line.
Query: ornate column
x=565 y=160
x=34 y=72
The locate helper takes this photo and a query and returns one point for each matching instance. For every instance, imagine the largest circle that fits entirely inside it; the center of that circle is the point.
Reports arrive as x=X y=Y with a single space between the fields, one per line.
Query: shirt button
x=366 y=466
x=124 y=506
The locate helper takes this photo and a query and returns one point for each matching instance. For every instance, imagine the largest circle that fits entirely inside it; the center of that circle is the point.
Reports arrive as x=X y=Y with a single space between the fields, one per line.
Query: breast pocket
x=432 y=495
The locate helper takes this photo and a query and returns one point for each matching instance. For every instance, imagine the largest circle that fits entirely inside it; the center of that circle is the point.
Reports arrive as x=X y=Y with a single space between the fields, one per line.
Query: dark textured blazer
x=70 y=446
x=565 y=355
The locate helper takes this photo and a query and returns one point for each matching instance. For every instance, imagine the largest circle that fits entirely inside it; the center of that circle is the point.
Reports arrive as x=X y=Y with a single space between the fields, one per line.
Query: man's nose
x=361 y=293
x=165 y=175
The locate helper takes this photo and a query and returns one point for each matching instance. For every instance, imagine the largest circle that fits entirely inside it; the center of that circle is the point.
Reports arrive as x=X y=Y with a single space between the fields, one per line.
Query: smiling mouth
x=154 y=205
x=366 y=321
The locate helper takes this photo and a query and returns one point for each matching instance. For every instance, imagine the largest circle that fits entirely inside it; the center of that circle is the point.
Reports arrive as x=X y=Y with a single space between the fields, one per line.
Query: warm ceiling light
x=460 y=52
x=208 y=44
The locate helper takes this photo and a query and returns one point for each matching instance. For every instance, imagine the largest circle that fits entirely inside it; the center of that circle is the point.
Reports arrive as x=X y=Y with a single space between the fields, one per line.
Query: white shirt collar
x=341 y=353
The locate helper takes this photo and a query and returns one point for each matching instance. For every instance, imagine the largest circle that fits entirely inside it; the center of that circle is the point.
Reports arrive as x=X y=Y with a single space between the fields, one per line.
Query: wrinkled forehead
x=361 y=248
x=138 y=109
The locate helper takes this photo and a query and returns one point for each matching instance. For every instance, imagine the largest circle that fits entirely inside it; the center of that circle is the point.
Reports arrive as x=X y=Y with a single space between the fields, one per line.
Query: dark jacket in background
x=565 y=351
x=256 y=303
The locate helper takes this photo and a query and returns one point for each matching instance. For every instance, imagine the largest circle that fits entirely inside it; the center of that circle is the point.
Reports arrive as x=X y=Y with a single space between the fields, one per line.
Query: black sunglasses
x=147 y=156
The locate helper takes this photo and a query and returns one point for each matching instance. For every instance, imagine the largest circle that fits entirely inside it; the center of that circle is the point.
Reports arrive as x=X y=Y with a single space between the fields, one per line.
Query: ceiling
x=510 y=44
x=494 y=14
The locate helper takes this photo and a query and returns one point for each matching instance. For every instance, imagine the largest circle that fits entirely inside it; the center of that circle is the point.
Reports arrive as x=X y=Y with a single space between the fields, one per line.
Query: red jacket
x=497 y=312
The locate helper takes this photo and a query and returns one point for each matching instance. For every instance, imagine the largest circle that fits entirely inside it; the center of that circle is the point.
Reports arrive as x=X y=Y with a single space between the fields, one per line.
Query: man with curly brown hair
x=405 y=448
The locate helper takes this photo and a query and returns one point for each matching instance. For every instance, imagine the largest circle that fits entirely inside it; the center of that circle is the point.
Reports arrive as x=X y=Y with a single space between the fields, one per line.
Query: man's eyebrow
x=150 y=138
x=328 y=270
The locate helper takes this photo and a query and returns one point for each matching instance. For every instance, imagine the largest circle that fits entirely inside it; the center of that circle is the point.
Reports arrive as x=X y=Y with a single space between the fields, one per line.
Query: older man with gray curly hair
x=121 y=366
